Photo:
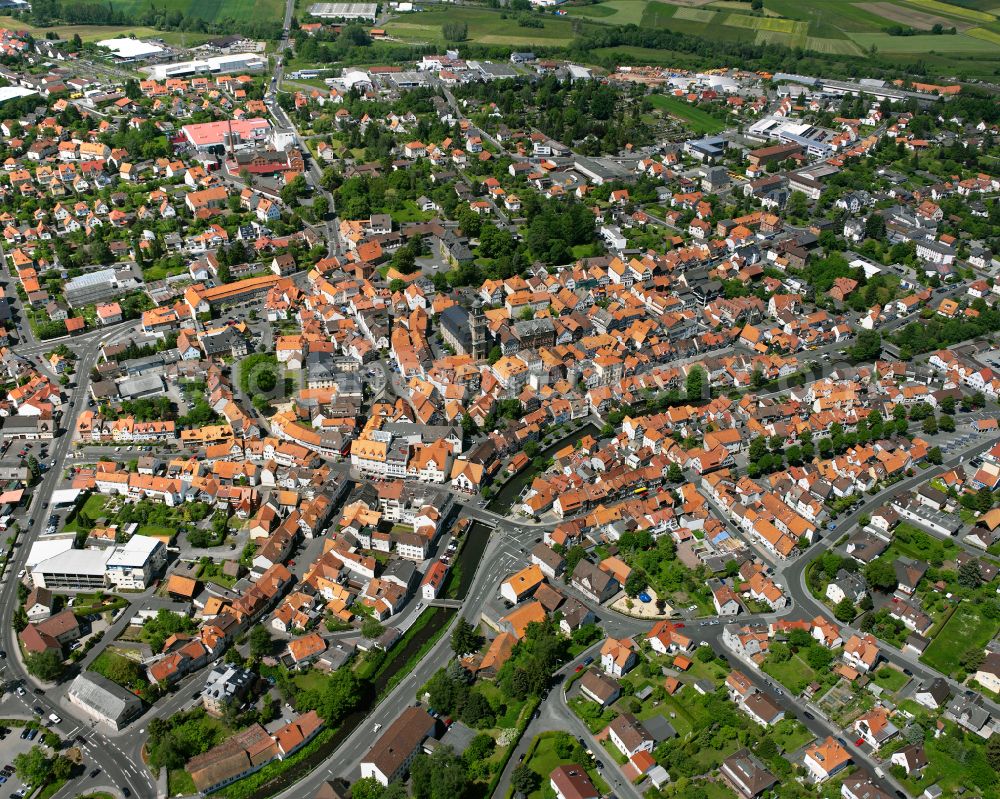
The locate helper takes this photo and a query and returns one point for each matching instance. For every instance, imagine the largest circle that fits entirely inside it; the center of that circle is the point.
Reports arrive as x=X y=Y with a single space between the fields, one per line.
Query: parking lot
x=11 y=745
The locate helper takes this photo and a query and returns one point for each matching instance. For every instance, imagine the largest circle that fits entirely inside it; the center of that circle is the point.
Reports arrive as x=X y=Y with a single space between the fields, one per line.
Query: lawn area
x=945 y=770
x=795 y=674
x=544 y=758
x=485 y=26
x=212 y=573
x=91 y=33
x=789 y=735
x=179 y=783
x=913 y=542
x=591 y=714
x=92 y=510
x=683 y=720
x=968 y=628
x=890 y=679
x=699 y=121
x=97 y=602
x=309 y=680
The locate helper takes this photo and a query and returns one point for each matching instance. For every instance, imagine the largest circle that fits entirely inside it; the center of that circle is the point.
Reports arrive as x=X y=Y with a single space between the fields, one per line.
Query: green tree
x=695 y=386
x=47 y=665
x=797 y=206
x=875 y=227
x=881 y=574
x=845 y=610
x=260 y=642
x=635 y=582
x=867 y=346
x=946 y=424
x=339 y=694
x=34 y=767
x=465 y=638
x=969 y=574
x=372 y=628
x=442 y=775
x=934 y=453
x=524 y=780
x=993 y=753
x=573 y=557
x=321 y=207
x=455 y=31
x=367 y=788
x=674 y=473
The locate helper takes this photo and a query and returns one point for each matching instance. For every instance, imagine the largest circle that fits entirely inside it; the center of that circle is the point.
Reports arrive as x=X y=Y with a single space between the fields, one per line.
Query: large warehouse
x=249 y=63
x=129 y=51
x=352 y=11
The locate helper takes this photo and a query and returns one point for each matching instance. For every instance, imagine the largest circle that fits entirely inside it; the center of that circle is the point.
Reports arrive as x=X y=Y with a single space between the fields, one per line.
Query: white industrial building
x=73 y=570
x=359 y=11
x=249 y=63
x=128 y=51
x=127 y=566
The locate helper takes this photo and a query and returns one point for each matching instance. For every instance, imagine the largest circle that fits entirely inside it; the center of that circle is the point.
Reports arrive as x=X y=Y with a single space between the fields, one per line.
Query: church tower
x=477 y=331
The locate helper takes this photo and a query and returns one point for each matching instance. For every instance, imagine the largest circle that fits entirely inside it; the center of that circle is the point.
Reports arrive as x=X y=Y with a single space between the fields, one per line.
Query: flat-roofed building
x=134 y=564
x=73 y=569
x=352 y=11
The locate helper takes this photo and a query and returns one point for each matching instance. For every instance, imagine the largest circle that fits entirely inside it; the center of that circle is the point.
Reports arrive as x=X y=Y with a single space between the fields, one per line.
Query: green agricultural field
x=986 y=35
x=959 y=43
x=766 y=23
x=91 y=33
x=698 y=15
x=832 y=18
x=833 y=46
x=658 y=15
x=956 y=11
x=615 y=12
x=967 y=629
x=773 y=37
x=210 y=10
x=485 y=26
x=699 y=121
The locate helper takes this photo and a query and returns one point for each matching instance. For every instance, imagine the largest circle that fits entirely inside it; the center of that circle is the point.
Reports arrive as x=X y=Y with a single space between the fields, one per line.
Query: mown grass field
x=696 y=119
x=968 y=628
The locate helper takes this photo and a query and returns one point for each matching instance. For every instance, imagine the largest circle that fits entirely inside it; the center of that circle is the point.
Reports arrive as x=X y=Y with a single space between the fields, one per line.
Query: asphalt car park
x=12 y=745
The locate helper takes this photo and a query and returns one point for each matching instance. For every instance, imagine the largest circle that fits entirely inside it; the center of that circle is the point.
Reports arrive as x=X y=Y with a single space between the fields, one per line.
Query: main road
x=100 y=750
